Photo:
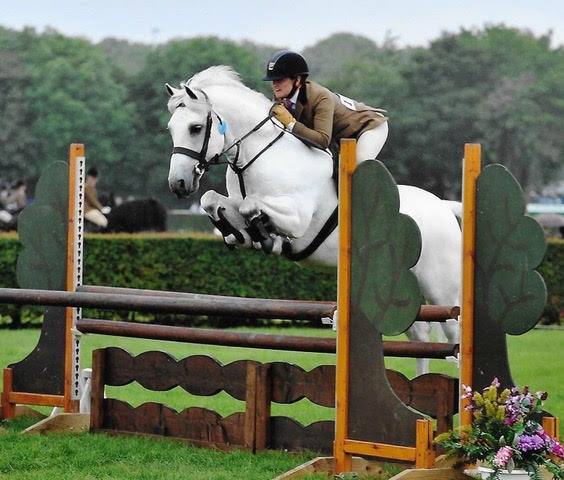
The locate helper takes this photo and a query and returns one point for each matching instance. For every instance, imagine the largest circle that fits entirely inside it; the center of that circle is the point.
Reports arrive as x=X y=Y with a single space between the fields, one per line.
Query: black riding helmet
x=285 y=63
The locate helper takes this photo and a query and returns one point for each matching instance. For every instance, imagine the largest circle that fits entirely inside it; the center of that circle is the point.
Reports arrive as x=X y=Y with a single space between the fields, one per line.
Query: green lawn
x=536 y=360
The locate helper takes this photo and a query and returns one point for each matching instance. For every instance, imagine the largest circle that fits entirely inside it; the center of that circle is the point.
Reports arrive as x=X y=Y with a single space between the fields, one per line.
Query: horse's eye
x=195 y=129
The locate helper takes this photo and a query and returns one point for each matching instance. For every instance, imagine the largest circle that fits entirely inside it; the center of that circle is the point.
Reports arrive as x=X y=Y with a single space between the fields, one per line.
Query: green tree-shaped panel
x=509 y=246
x=385 y=299
x=509 y=294
x=42 y=228
x=385 y=245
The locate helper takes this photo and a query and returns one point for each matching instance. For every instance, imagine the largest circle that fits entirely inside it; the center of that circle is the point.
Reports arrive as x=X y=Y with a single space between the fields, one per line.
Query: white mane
x=216 y=76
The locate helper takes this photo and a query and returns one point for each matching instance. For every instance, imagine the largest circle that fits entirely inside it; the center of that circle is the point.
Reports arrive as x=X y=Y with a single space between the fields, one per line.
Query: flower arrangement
x=505 y=433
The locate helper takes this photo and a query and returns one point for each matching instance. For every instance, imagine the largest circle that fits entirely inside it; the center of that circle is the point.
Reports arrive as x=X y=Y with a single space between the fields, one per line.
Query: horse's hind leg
x=224 y=214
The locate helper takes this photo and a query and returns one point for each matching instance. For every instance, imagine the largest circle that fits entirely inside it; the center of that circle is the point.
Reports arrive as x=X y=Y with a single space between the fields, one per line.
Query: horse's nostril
x=181 y=183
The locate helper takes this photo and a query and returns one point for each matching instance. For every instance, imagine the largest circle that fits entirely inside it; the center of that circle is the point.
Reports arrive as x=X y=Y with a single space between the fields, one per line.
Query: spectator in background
x=17 y=199
x=93 y=209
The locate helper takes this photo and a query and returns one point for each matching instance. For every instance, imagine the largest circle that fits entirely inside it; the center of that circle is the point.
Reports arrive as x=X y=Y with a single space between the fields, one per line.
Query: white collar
x=294 y=98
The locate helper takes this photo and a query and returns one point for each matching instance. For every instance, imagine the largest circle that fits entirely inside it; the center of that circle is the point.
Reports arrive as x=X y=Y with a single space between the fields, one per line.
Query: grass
x=534 y=358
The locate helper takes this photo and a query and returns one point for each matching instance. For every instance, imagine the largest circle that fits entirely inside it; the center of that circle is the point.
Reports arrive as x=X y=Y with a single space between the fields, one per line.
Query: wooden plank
x=381 y=450
x=290 y=435
x=97 y=389
x=326 y=466
x=291 y=383
x=551 y=426
x=193 y=423
x=263 y=396
x=343 y=461
x=62 y=423
x=431 y=474
x=188 y=441
x=251 y=407
x=472 y=166
x=425 y=454
x=8 y=408
x=36 y=399
x=257 y=411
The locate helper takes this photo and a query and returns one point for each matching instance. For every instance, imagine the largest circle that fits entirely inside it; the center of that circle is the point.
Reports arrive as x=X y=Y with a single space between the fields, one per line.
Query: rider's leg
x=97 y=217
x=370 y=143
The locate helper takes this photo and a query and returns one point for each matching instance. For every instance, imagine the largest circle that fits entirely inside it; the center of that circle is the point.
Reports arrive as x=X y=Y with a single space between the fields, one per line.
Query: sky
x=293 y=24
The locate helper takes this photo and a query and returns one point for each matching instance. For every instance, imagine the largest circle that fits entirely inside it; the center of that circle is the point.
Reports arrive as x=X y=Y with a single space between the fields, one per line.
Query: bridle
x=204 y=164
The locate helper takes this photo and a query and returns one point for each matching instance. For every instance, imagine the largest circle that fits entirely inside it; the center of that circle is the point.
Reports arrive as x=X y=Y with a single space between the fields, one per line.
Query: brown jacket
x=91 y=201
x=322 y=116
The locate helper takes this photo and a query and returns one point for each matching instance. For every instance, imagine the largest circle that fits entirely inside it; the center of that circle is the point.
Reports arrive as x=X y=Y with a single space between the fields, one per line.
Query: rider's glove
x=106 y=210
x=283 y=115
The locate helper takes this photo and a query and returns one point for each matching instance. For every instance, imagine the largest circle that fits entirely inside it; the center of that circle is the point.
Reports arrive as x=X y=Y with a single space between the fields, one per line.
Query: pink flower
x=502 y=457
x=495 y=383
x=467 y=392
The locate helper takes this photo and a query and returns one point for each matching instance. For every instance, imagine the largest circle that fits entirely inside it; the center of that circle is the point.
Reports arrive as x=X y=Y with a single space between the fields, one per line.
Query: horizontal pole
x=331 y=306
x=427 y=313
x=206 y=336
x=253 y=340
x=199 y=305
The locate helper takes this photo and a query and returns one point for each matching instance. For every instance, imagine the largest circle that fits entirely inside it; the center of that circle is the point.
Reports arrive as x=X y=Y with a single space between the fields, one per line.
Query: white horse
x=280 y=190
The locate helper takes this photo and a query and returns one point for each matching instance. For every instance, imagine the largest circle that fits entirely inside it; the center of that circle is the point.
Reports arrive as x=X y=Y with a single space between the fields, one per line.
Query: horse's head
x=197 y=135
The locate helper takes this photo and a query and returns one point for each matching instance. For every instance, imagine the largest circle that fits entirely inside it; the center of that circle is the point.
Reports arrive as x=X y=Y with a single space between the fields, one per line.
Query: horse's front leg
x=276 y=215
x=224 y=214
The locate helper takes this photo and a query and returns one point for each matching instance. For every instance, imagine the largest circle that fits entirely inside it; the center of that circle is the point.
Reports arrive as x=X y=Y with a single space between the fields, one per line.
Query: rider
x=319 y=116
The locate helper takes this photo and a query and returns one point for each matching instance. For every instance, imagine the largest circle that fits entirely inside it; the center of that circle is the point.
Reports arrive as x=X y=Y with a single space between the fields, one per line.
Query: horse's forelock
x=176 y=99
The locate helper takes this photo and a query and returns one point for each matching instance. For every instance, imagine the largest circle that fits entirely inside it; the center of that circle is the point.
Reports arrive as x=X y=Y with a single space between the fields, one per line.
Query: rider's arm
x=322 y=120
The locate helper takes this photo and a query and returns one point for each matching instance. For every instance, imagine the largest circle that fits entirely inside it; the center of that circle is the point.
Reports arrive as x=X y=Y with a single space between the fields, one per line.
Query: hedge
x=204 y=265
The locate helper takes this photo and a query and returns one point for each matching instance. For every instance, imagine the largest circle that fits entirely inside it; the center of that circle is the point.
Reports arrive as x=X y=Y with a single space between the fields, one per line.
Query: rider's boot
x=259 y=229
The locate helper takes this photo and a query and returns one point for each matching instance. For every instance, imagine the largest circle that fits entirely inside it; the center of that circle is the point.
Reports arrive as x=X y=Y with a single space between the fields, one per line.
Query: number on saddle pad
x=347 y=102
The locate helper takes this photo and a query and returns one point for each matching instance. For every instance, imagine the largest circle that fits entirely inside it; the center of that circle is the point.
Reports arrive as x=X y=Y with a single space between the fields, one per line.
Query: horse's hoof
x=267 y=245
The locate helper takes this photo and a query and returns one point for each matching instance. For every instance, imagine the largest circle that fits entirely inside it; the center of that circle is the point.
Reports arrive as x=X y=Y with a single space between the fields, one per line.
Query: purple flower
x=502 y=457
x=495 y=383
x=557 y=450
x=528 y=443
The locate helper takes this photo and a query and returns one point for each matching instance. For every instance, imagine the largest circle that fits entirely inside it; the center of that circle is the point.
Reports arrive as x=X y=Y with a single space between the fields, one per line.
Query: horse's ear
x=171 y=90
x=190 y=93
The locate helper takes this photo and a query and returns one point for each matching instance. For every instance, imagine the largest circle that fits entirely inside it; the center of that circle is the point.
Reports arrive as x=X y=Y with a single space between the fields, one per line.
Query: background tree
x=16 y=141
x=500 y=86
x=175 y=62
